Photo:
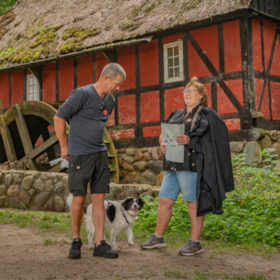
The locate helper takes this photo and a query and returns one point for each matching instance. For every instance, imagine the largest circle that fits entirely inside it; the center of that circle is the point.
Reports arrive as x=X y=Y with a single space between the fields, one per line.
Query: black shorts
x=93 y=168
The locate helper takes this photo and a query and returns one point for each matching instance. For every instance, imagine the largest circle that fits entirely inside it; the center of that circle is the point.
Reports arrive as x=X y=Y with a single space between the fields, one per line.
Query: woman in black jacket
x=206 y=173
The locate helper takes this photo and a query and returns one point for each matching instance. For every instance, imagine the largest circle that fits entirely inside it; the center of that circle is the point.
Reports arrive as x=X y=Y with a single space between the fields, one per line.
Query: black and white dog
x=118 y=215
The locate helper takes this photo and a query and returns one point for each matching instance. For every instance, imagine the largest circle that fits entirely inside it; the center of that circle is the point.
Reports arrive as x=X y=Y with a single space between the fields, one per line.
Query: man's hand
x=183 y=139
x=64 y=151
x=163 y=147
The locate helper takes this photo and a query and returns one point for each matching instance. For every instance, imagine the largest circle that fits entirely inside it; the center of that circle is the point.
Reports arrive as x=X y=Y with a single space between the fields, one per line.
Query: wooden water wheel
x=23 y=124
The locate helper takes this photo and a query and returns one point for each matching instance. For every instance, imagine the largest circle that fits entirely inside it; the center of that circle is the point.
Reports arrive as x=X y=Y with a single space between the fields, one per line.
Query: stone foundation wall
x=47 y=191
x=144 y=165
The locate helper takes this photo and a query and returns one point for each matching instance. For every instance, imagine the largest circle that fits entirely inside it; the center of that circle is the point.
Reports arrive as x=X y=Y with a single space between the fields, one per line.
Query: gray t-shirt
x=88 y=113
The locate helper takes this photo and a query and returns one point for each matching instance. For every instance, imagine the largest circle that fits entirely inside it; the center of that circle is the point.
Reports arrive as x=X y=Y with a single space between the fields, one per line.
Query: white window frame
x=28 y=88
x=179 y=44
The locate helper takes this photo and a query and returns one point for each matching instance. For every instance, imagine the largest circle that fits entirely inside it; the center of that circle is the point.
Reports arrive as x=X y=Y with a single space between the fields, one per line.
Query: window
x=173 y=62
x=32 y=88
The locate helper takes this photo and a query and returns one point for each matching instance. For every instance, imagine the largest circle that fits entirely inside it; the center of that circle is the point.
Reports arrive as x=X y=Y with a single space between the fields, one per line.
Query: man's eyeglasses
x=189 y=90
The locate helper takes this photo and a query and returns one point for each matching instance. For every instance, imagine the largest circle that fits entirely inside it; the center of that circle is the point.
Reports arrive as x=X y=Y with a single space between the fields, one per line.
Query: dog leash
x=110 y=203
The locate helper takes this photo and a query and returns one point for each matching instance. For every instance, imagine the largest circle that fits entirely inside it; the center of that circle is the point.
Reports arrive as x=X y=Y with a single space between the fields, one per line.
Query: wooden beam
x=56 y=168
x=1 y=107
x=7 y=140
x=42 y=148
x=50 y=151
x=24 y=135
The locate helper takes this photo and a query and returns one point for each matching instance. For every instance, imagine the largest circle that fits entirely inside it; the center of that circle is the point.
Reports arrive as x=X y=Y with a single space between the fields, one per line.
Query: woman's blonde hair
x=201 y=89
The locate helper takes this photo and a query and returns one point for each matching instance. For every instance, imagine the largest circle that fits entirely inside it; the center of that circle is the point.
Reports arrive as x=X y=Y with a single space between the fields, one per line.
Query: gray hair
x=113 y=70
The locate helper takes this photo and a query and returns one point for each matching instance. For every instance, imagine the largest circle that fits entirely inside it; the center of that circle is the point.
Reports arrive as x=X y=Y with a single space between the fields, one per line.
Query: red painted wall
x=265 y=102
x=126 y=58
x=207 y=39
x=224 y=104
x=17 y=87
x=111 y=119
x=49 y=82
x=257 y=45
x=150 y=107
x=275 y=100
x=127 y=109
x=149 y=70
x=275 y=67
x=269 y=30
x=122 y=134
x=151 y=131
x=173 y=100
x=233 y=124
x=173 y=38
x=84 y=70
x=66 y=78
x=232 y=47
x=101 y=61
x=5 y=90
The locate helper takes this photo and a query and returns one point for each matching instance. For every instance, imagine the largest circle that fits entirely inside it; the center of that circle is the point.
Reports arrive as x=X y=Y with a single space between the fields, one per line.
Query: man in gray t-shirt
x=88 y=109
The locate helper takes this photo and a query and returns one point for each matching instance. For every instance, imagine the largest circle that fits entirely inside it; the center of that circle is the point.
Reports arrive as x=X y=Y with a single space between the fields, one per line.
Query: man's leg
x=98 y=216
x=77 y=214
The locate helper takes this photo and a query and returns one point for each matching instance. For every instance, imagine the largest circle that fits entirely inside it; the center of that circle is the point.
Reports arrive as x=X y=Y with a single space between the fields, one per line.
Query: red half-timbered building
x=235 y=53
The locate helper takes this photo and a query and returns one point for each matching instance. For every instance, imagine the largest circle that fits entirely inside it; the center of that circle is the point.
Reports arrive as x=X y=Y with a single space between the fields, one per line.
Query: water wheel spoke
x=42 y=148
x=7 y=140
x=50 y=151
x=24 y=135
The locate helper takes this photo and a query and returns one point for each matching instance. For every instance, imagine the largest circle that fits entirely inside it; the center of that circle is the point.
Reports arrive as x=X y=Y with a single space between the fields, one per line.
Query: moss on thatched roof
x=32 y=30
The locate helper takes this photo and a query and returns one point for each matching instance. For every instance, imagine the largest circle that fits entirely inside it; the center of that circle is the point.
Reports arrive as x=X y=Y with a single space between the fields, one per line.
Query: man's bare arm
x=60 y=130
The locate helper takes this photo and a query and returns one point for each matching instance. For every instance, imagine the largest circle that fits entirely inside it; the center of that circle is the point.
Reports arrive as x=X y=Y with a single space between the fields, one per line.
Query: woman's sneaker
x=75 y=251
x=191 y=248
x=154 y=242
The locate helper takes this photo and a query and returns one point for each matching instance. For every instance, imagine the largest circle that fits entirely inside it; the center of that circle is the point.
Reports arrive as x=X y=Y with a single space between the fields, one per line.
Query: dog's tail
x=69 y=200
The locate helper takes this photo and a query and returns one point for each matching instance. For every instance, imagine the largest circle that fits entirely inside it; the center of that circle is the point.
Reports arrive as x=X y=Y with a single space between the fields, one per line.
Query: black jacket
x=209 y=137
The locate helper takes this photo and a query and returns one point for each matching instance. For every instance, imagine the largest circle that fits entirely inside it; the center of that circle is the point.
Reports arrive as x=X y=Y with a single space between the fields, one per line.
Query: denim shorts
x=176 y=181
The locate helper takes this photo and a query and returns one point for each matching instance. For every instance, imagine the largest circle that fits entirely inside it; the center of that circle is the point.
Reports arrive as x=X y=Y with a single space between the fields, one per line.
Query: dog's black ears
x=127 y=202
x=140 y=201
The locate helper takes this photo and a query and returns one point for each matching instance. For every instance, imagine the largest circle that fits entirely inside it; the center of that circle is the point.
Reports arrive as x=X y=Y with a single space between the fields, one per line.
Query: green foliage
x=76 y=36
x=5 y=5
x=251 y=211
x=130 y=26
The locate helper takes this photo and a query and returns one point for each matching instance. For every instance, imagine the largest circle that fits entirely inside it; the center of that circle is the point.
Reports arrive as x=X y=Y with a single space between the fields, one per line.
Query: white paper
x=64 y=162
x=169 y=132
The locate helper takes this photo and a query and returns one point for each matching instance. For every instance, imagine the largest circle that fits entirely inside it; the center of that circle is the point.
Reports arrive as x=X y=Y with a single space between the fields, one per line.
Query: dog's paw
x=131 y=243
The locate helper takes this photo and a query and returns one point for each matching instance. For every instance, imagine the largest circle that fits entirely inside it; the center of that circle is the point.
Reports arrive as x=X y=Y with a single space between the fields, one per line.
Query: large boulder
x=138 y=155
x=27 y=183
x=154 y=153
x=3 y=190
x=127 y=166
x=265 y=142
x=59 y=204
x=41 y=199
x=132 y=177
x=130 y=151
x=148 y=177
x=8 y=180
x=160 y=178
x=236 y=147
x=140 y=165
x=276 y=146
x=253 y=153
x=127 y=158
x=24 y=197
x=13 y=190
x=155 y=165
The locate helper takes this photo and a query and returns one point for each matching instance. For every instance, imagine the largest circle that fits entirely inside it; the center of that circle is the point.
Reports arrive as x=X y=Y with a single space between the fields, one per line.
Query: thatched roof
x=33 y=30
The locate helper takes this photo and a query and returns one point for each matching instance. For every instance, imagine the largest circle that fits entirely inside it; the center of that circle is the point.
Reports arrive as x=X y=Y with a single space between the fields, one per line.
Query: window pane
x=30 y=89
x=177 y=72
x=35 y=88
x=170 y=52
x=34 y=81
x=30 y=81
x=176 y=50
x=35 y=97
x=170 y=73
x=176 y=61
x=170 y=62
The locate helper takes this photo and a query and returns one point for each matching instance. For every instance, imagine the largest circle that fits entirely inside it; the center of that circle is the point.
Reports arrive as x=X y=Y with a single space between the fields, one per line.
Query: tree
x=5 y=5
